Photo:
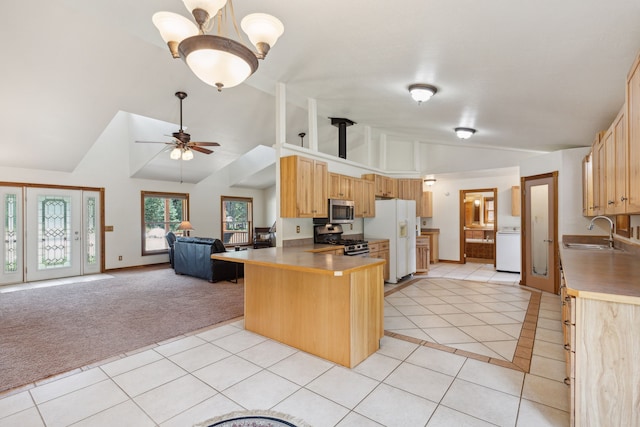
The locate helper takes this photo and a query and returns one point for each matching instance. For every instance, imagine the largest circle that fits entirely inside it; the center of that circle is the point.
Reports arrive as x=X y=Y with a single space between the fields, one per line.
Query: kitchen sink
x=593 y=246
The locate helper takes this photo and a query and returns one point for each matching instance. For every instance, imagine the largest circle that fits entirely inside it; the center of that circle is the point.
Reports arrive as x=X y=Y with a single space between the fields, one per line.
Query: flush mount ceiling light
x=218 y=60
x=429 y=181
x=464 y=133
x=421 y=92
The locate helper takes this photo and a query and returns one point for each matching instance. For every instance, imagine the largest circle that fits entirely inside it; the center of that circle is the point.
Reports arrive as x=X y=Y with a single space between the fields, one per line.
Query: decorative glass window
x=161 y=213
x=54 y=232
x=10 y=237
x=91 y=231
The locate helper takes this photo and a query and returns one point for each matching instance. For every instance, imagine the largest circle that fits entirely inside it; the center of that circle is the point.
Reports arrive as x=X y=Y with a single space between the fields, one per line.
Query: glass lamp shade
x=262 y=28
x=176 y=153
x=173 y=27
x=422 y=92
x=218 y=61
x=210 y=6
x=464 y=133
x=187 y=155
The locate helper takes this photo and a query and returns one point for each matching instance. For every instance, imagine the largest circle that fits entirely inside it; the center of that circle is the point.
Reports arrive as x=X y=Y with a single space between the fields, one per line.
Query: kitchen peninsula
x=327 y=305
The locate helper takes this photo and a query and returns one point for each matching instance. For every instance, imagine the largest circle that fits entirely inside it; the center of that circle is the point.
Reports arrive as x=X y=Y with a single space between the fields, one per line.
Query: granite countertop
x=602 y=274
x=297 y=259
x=430 y=230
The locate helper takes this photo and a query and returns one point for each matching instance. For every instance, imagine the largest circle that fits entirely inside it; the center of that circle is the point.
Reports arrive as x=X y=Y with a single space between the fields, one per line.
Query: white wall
x=446 y=204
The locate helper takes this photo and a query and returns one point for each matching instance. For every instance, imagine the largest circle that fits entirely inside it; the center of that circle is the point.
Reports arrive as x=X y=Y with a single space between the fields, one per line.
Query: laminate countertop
x=602 y=274
x=296 y=259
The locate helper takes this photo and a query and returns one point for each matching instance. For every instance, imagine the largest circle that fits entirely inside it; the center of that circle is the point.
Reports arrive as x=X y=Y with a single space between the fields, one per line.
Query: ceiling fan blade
x=154 y=142
x=201 y=150
x=204 y=144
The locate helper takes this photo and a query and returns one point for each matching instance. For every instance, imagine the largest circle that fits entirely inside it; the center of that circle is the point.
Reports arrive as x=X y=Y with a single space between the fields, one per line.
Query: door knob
x=548 y=241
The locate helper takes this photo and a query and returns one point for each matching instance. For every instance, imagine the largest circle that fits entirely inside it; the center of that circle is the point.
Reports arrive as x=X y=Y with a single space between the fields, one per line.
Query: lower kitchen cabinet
x=602 y=347
x=380 y=249
x=422 y=253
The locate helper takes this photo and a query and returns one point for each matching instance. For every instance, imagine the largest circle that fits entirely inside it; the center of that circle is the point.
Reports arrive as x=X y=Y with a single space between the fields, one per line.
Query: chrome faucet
x=610 y=239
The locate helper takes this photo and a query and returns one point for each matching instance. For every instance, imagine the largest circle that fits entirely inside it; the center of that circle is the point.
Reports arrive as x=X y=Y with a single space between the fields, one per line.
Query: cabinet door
x=427 y=205
x=368 y=199
x=633 y=140
x=358 y=192
x=334 y=186
x=422 y=253
x=320 y=189
x=620 y=160
x=346 y=187
x=587 y=186
x=599 y=188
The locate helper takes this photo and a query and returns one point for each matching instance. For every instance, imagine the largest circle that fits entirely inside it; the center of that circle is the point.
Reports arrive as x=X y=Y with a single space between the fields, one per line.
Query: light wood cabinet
x=598 y=173
x=380 y=249
x=515 y=200
x=434 y=251
x=633 y=137
x=615 y=169
x=365 y=199
x=427 y=205
x=341 y=186
x=303 y=188
x=600 y=342
x=422 y=253
x=385 y=187
x=411 y=189
x=587 y=185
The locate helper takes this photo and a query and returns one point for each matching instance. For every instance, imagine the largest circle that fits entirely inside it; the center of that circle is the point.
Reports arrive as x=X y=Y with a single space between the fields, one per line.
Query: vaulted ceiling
x=536 y=75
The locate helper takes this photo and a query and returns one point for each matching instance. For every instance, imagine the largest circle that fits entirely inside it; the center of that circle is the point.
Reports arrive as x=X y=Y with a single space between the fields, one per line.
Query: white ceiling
x=529 y=75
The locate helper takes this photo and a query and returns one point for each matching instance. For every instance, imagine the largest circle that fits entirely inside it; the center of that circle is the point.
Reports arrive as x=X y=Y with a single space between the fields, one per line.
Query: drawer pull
x=567 y=347
x=567 y=323
x=567 y=381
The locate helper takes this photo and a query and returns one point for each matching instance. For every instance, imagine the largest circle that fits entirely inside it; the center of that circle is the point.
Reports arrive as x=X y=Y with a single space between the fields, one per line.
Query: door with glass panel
x=11 y=249
x=540 y=224
x=62 y=237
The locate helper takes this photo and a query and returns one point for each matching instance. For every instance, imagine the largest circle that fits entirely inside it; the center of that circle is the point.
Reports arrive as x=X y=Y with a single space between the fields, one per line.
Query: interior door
x=11 y=230
x=540 y=228
x=54 y=233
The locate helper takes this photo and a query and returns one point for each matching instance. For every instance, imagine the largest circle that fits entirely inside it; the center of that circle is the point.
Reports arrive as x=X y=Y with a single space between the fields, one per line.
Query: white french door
x=60 y=237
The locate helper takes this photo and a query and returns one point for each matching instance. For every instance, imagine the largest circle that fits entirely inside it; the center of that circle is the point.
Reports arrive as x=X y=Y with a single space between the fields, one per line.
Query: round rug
x=254 y=419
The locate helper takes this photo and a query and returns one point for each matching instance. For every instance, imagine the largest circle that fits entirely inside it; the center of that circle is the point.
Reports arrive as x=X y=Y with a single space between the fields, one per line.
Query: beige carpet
x=48 y=331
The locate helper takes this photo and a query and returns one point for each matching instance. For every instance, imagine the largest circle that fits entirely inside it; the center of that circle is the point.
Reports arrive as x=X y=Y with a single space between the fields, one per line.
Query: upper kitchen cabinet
x=385 y=187
x=341 y=187
x=365 y=198
x=427 y=205
x=411 y=189
x=615 y=177
x=303 y=188
x=633 y=138
x=515 y=200
x=598 y=173
x=587 y=185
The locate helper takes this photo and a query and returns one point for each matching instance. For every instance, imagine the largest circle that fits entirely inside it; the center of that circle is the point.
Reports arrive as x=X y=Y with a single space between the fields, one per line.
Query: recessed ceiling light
x=421 y=92
x=464 y=133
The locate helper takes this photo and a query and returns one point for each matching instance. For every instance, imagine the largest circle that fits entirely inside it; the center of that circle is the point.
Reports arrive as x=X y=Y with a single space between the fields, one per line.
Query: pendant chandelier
x=218 y=60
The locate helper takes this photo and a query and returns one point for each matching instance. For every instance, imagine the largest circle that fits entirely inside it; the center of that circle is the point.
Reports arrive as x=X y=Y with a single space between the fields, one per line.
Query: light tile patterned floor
x=225 y=368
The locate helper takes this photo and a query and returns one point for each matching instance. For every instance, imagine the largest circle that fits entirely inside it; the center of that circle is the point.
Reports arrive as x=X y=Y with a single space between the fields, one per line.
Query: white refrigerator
x=395 y=220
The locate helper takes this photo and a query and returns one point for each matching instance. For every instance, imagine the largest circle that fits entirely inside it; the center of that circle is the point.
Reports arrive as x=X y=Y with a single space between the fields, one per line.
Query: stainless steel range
x=331 y=234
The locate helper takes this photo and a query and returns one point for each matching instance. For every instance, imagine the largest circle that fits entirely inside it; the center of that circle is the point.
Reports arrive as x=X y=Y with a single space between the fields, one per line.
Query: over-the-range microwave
x=340 y=211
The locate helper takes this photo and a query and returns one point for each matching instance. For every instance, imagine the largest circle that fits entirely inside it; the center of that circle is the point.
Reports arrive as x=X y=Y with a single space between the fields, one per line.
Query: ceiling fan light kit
x=218 y=60
x=183 y=146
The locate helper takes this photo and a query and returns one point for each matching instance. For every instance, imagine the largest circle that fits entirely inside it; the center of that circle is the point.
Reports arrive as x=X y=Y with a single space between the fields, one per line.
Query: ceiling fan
x=182 y=143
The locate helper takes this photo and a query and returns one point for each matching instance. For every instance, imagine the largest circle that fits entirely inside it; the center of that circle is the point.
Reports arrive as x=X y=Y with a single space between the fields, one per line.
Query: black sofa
x=192 y=256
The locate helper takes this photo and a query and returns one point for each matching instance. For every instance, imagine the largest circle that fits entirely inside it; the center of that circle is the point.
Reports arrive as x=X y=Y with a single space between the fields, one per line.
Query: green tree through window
x=237 y=220
x=161 y=213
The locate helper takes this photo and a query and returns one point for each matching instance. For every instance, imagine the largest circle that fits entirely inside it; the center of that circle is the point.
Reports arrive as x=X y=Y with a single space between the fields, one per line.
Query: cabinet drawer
x=374 y=247
x=384 y=246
